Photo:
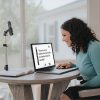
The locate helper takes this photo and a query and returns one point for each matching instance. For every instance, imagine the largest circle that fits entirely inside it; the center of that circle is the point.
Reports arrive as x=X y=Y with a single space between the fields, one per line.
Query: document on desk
x=17 y=72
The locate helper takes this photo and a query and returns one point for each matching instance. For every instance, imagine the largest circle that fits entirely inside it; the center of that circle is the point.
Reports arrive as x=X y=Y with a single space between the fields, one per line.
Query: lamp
x=10 y=30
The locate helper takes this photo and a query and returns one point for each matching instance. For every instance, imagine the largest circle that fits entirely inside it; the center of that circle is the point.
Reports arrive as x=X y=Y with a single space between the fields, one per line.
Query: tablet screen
x=43 y=55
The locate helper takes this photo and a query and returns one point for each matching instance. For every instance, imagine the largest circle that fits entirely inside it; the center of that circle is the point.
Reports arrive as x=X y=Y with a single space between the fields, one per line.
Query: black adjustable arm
x=5 y=32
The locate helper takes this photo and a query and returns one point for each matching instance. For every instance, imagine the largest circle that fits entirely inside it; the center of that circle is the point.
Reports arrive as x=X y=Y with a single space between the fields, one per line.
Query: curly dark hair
x=81 y=34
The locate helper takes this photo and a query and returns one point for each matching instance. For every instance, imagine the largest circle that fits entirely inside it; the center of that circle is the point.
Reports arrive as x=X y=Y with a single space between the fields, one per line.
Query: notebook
x=43 y=59
x=15 y=72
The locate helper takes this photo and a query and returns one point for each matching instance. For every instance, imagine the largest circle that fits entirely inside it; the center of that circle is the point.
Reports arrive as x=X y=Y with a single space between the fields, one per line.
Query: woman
x=84 y=43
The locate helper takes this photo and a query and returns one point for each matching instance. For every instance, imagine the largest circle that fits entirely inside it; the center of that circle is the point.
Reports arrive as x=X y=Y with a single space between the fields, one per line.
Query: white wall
x=93 y=11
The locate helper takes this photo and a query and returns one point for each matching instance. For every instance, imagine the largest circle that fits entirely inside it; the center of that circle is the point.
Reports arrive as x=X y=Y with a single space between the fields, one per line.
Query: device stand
x=5 y=45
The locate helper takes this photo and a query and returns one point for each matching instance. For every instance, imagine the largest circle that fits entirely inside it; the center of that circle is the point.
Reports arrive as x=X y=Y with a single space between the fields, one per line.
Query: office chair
x=89 y=92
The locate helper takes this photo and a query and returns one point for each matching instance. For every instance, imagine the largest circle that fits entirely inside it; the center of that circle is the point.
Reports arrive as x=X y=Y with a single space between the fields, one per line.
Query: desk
x=21 y=86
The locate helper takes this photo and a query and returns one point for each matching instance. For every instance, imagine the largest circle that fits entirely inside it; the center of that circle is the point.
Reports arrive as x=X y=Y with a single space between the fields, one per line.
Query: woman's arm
x=94 y=54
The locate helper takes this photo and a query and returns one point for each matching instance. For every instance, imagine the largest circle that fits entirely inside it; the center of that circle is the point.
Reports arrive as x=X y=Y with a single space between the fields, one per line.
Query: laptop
x=43 y=59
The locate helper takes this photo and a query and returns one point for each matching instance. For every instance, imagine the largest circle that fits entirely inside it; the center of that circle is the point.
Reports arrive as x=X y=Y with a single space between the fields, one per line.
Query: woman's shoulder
x=94 y=45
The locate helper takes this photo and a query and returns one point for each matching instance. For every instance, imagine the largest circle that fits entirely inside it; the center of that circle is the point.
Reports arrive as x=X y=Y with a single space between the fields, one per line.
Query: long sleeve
x=94 y=55
x=73 y=65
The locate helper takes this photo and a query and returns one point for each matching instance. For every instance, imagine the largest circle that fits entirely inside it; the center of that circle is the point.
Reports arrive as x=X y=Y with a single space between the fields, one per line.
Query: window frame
x=23 y=36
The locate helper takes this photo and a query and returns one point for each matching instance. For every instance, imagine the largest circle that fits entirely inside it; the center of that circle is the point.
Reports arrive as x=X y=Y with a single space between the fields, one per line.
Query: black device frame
x=45 y=68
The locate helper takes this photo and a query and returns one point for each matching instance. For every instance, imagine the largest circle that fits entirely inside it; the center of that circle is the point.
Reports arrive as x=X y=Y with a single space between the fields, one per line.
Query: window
x=43 y=25
x=10 y=11
x=50 y=34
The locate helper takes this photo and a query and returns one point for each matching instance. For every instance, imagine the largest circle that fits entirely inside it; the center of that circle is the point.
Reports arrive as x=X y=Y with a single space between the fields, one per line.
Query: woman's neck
x=81 y=48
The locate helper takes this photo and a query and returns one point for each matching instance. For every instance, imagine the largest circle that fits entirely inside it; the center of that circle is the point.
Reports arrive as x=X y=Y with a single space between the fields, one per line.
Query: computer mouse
x=63 y=67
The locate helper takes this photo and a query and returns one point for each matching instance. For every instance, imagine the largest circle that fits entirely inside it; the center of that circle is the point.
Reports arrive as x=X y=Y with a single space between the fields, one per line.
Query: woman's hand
x=79 y=85
x=66 y=65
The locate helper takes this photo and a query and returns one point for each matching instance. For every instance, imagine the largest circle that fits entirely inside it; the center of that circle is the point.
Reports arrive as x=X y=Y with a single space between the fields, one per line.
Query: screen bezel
x=47 y=67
